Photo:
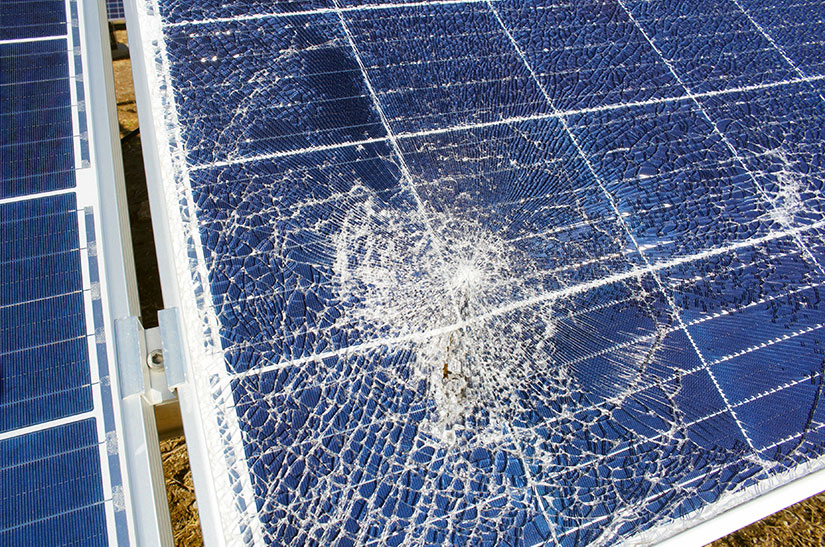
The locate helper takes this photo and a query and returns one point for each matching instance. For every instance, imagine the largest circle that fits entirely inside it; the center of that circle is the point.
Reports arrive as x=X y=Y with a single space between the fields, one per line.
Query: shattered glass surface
x=497 y=272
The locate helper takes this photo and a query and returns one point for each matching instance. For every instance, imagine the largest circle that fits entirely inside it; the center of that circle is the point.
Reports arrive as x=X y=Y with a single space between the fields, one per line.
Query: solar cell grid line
x=318 y=11
x=302 y=242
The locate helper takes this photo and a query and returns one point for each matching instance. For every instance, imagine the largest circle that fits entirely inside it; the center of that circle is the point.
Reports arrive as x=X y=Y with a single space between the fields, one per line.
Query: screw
x=155 y=359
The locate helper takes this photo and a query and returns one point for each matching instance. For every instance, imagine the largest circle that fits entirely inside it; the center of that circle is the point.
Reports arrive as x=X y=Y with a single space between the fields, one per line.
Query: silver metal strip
x=174 y=359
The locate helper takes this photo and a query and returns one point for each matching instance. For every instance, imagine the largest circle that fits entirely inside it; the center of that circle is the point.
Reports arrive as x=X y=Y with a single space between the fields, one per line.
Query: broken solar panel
x=495 y=272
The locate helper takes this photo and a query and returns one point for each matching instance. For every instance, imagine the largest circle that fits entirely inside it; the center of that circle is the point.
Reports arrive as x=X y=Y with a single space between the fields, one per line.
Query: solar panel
x=61 y=480
x=490 y=271
x=115 y=10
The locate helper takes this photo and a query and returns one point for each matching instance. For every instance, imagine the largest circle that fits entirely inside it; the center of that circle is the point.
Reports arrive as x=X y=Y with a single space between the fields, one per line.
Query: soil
x=802 y=524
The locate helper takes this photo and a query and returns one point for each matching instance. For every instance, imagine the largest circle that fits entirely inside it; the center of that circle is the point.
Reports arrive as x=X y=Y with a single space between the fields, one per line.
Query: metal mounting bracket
x=150 y=361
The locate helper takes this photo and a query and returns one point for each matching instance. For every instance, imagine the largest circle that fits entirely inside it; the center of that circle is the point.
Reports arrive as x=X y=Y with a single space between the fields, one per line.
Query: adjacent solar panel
x=60 y=479
x=493 y=272
x=115 y=10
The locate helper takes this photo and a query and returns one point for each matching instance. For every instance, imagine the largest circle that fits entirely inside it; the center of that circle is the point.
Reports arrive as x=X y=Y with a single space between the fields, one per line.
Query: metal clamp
x=150 y=362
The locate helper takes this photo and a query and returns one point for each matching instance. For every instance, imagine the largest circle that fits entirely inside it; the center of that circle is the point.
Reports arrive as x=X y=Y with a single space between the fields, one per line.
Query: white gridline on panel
x=321 y=11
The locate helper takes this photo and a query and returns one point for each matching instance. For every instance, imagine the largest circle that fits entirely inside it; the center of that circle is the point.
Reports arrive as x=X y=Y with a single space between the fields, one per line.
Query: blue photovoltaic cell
x=37 y=139
x=115 y=10
x=504 y=272
x=21 y=19
x=44 y=351
x=51 y=489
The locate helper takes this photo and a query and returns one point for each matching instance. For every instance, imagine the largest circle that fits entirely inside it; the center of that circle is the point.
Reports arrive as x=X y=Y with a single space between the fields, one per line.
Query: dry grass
x=180 y=492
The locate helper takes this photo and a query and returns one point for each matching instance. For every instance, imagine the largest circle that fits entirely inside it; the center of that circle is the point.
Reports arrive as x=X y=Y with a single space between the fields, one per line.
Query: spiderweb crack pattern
x=447 y=313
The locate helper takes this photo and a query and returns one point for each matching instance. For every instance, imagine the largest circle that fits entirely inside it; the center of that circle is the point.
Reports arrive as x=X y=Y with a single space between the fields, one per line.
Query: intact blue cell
x=51 y=487
x=431 y=72
x=37 y=140
x=45 y=383
x=42 y=322
x=37 y=229
x=39 y=250
x=34 y=61
x=43 y=346
x=676 y=180
x=250 y=88
x=711 y=44
x=587 y=54
x=32 y=19
x=115 y=10
x=40 y=277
